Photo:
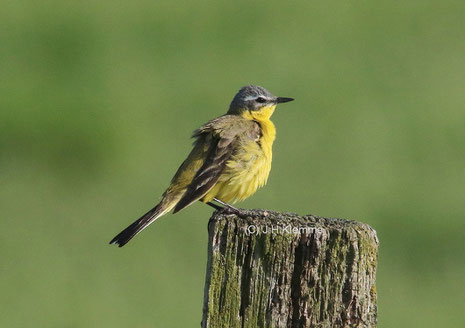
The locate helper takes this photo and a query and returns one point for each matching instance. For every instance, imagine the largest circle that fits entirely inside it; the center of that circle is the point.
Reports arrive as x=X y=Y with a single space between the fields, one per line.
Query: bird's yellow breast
x=249 y=167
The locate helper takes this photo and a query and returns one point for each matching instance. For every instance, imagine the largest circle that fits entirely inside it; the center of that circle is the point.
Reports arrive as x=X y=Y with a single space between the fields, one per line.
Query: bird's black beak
x=283 y=100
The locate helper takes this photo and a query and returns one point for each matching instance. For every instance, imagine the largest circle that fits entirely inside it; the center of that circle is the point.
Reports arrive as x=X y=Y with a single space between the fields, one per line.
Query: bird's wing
x=223 y=134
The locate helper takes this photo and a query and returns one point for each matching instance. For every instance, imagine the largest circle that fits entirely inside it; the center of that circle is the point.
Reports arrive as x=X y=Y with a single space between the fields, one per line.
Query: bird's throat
x=262 y=114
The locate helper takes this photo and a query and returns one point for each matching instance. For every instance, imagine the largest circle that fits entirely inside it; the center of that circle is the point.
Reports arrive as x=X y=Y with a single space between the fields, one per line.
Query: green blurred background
x=98 y=100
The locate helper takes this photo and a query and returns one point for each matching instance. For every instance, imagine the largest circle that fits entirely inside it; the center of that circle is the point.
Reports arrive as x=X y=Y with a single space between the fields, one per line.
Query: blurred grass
x=98 y=101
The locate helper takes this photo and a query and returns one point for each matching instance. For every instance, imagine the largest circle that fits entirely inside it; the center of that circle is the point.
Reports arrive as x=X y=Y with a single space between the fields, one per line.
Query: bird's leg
x=216 y=207
x=226 y=205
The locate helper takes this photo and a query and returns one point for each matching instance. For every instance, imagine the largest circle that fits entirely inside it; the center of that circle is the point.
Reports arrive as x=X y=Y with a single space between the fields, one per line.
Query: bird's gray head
x=253 y=98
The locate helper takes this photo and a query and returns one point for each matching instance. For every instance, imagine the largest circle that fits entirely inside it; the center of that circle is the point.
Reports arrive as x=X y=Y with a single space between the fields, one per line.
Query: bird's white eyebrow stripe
x=253 y=97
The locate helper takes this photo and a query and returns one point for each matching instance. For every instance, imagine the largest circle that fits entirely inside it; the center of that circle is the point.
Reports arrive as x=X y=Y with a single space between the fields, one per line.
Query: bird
x=230 y=159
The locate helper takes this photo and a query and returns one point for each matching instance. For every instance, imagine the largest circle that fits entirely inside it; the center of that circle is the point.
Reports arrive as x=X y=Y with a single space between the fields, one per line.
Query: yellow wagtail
x=230 y=160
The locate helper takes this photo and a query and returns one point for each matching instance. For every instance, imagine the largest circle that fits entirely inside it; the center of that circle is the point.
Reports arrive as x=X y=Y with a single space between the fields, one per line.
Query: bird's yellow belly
x=247 y=171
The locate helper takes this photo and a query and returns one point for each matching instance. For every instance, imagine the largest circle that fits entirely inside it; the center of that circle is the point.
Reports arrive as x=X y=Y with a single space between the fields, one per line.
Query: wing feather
x=219 y=153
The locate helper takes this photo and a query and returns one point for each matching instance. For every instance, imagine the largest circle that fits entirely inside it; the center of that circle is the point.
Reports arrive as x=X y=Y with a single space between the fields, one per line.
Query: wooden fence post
x=270 y=269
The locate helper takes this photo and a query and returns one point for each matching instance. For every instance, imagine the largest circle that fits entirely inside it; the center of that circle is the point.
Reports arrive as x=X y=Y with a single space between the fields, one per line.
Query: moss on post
x=269 y=269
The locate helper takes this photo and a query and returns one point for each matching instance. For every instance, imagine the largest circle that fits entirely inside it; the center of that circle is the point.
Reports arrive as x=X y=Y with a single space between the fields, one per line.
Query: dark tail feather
x=137 y=226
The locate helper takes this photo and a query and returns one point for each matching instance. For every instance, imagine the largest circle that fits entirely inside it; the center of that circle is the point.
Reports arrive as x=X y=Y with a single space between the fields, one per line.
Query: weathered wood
x=269 y=269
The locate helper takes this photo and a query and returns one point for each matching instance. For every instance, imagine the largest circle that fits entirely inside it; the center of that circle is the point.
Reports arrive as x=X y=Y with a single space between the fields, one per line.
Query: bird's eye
x=260 y=100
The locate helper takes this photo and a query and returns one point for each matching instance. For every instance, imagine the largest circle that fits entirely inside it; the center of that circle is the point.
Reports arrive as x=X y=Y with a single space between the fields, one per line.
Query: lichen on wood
x=270 y=269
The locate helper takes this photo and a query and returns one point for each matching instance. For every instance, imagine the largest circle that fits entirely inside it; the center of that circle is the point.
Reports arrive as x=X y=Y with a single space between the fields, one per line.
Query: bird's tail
x=137 y=226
